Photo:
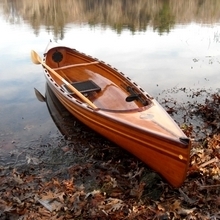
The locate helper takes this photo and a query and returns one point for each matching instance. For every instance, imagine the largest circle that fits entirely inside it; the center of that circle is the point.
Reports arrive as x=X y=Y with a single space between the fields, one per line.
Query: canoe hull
x=164 y=148
x=162 y=155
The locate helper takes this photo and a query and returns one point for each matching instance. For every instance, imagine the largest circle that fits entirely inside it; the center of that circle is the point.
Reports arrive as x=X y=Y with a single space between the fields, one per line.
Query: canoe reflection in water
x=116 y=107
x=68 y=125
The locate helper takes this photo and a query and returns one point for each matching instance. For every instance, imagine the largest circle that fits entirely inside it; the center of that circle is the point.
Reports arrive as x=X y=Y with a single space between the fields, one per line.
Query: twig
x=208 y=186
x=137 y=173
x=213 y=160
x=186 y=198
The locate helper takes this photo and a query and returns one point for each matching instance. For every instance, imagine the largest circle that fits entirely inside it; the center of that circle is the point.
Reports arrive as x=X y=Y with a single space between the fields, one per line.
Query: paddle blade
x=34 y=57
x=39 y=96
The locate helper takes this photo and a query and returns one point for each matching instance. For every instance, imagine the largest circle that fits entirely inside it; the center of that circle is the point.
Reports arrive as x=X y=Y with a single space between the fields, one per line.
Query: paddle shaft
x=78 y=93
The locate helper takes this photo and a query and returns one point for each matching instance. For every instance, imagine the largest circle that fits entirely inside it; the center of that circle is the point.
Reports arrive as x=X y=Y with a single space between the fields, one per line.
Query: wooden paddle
x=39 y=96
x=37 y=60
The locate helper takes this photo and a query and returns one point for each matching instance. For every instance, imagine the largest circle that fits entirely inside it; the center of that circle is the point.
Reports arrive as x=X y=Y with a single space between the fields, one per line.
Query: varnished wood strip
x=75 y=65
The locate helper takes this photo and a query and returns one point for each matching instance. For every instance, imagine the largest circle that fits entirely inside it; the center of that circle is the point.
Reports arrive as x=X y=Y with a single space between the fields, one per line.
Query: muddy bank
x=81 y=175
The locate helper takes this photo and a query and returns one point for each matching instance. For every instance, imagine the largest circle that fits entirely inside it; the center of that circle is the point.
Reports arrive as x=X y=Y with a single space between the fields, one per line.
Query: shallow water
x=184 y=52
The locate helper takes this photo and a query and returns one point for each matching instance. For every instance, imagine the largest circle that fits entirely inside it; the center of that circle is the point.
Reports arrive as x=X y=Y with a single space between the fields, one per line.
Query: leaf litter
x=84 y=176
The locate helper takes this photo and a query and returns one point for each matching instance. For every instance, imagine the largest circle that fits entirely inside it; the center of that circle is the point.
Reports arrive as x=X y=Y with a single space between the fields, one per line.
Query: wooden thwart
x=75 y=65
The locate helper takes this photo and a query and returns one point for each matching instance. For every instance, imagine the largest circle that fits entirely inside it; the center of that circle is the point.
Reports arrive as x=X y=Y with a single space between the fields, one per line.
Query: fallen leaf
x=51 y=205
x=112 y=204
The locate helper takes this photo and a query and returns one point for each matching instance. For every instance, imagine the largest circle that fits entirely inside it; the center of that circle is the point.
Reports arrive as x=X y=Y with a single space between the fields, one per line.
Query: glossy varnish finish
x=124 y=112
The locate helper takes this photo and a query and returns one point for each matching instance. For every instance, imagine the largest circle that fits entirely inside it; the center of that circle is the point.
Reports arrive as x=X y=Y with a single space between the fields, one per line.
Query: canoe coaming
x=146 y=131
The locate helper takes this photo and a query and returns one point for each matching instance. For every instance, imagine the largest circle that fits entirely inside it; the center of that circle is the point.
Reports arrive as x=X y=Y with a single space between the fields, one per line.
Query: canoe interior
x=116 y=92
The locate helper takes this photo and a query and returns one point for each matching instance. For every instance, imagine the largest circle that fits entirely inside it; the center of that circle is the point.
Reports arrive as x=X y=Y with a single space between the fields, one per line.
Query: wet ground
x=77 y=174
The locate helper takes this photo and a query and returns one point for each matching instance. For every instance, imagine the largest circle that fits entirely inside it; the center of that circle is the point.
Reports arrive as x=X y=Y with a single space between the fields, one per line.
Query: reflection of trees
x=164 y=20
x=118 y=14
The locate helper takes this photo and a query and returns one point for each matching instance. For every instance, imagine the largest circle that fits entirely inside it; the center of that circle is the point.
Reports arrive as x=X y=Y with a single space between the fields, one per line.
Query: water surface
x=161 y=46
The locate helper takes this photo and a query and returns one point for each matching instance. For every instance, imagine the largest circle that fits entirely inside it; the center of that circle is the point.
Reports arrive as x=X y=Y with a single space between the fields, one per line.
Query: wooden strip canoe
x=122 y=111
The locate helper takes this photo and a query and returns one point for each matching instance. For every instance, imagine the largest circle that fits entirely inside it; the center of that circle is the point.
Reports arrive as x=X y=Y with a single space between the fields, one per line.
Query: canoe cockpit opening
x=100 y=84
x=83 y=86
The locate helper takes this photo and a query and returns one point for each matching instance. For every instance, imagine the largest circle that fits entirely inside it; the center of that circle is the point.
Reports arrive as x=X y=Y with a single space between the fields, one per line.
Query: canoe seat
x=83 y=86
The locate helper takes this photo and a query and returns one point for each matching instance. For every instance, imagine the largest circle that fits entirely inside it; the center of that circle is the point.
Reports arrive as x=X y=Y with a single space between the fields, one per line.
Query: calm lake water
x=162 y=46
